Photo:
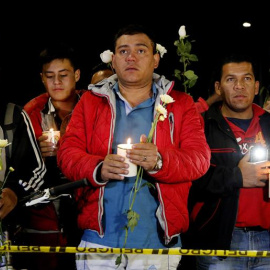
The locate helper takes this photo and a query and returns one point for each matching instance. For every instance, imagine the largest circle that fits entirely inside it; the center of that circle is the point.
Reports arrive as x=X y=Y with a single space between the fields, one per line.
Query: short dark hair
x=98 y=67
x=58 y=51
x=234 y=58
x=133 y=29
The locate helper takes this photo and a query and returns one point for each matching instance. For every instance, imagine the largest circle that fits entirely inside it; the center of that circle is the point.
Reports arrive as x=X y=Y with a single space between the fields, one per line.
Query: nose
x=239 y=84
x=130 y=56
x=57 y=80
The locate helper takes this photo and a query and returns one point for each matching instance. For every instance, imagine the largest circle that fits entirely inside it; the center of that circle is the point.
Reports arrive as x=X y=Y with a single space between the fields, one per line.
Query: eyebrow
x=48 y=71
x=244 y=74
x=137 y=45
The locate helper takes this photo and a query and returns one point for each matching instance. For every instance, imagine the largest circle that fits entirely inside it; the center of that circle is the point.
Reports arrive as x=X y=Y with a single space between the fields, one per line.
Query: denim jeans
x=241 y=240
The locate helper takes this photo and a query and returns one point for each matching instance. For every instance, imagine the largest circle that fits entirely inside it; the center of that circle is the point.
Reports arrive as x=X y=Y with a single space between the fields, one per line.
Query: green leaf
x=193 y=58
x=181 y=47
x=186 y=82
x=189 y=74
x=192 y=83
x=177 y=74
x=178 y=77
x=150 y=185
x=118 y=260
x=176 y=43
x=188 y=47
x=133 y=219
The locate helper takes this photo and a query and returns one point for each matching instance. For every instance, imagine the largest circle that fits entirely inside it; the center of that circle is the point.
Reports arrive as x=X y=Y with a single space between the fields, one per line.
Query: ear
x=156 y=60
x=41 y=77
x=77 y=74
x=217 y=88
x=112 y=61
x=257 y=87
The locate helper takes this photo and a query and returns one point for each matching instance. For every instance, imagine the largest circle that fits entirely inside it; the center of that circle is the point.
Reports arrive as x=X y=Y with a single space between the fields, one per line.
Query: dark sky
x=26 y=28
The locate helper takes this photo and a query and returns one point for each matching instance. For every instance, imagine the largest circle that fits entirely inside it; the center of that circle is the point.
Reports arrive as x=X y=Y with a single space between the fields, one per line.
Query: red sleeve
x=201 y=105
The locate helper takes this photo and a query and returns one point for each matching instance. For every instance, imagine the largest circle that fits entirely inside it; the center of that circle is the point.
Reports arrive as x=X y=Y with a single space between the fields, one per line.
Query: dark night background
x=26 y=28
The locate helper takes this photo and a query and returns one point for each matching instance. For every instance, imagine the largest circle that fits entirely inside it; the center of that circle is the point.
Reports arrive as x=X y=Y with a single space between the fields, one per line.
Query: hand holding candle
x=122 y=151
x=53 y=136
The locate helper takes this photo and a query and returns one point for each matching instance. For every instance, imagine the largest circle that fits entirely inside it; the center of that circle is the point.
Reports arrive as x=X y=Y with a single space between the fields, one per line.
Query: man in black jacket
x=23 y=156
x=230 y=205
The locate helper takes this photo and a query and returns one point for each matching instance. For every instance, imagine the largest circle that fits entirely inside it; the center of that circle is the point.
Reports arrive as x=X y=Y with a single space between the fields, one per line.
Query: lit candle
x=53 y=135
x=122 y=151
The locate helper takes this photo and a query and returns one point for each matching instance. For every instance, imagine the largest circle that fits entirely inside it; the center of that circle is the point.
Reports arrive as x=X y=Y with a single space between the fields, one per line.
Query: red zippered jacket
x=180 y=140
x=45 y=218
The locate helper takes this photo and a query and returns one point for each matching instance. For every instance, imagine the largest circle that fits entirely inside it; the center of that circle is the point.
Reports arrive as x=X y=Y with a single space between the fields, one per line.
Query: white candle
x=53 y=135
x=122 y=151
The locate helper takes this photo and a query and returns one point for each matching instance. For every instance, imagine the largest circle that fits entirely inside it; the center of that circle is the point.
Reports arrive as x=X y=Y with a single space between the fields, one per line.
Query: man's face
x=237 y=88
x=134 y=61
x=59 y=79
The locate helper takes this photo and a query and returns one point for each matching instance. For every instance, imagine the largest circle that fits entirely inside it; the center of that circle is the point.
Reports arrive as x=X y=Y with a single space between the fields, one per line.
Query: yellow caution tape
x=172 y=251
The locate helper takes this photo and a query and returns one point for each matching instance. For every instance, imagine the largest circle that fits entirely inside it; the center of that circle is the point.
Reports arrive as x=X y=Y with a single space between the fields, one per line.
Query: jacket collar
x=162 y=85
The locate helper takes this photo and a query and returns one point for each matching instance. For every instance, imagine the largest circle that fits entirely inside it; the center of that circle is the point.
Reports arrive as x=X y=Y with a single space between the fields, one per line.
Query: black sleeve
x=26 y=159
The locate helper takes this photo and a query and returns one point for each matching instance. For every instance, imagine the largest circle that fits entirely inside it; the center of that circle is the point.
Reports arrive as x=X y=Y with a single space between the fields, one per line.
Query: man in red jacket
x=120 y=107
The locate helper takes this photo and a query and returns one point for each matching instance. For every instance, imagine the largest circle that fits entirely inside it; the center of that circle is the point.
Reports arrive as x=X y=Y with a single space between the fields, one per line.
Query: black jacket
x=25 y=157
x=218 y=189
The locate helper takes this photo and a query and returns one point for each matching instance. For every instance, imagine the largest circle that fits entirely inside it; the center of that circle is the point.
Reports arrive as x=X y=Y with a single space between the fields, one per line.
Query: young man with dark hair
x=54 y=223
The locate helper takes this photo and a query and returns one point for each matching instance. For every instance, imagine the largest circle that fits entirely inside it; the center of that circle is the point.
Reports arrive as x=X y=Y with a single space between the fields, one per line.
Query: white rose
x=166 y=99
x=3 y=143
x=182 y=32
x=161 y=110
x=161 y=50
x=161 y=118
x=106 y=56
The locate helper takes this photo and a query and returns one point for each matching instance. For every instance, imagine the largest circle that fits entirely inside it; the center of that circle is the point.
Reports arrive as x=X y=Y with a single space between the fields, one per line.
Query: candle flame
x=128 y=141
x=51 y=129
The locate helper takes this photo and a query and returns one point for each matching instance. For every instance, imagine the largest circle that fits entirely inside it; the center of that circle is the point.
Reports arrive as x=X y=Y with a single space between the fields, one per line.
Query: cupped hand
x=48 y=149
x=8 y=201
x=113 y=165
x=143 y=154
x=254 y=174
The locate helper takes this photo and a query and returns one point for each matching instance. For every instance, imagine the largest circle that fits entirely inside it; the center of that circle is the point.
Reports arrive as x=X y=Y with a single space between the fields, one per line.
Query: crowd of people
x=198 y=185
